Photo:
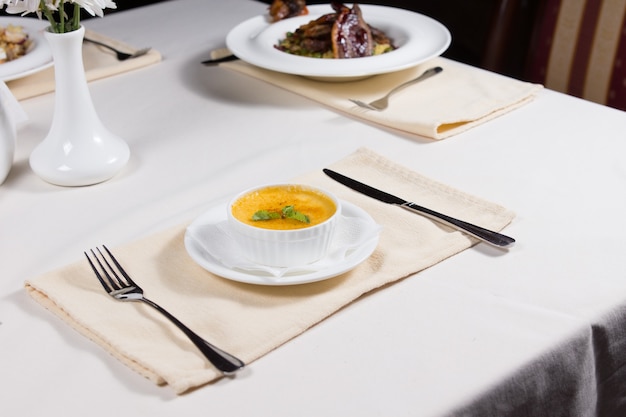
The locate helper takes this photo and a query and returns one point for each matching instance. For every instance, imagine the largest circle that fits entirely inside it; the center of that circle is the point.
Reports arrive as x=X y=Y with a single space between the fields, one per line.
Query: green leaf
x=290 y=212
x=265 y=215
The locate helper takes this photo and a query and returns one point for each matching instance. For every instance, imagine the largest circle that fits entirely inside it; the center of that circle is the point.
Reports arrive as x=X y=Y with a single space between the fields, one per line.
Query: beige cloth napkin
x=447 y=104
x=252 y=320
x=99 y=63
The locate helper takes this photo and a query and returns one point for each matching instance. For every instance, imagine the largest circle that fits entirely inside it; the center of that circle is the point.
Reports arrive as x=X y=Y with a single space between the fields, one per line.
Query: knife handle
x=215 y=61
x=481 y=233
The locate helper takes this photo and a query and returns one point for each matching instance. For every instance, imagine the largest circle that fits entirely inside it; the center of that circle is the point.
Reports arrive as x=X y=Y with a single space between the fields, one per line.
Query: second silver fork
x=121 y=55
x=119 y=285
x=383 y=102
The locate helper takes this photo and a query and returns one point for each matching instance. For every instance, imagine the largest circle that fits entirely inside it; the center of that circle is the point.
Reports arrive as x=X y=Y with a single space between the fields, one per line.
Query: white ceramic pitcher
x=11 y=114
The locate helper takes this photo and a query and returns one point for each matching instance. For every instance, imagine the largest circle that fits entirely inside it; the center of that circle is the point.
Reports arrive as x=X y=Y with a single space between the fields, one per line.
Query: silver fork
x=119 y=285
x=382 y=103
x=121 y=56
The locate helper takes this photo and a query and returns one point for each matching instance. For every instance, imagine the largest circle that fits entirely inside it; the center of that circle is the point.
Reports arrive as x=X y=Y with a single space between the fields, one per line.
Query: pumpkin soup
x=283 y=207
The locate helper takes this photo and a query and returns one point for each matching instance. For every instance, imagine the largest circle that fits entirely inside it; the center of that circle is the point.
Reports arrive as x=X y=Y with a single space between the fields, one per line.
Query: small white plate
x=418 y=38
x=38 y=58
x=303 y=275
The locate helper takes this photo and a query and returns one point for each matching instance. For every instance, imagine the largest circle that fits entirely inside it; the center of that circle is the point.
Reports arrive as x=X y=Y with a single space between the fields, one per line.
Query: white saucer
x=38 y=58
x=258 y=274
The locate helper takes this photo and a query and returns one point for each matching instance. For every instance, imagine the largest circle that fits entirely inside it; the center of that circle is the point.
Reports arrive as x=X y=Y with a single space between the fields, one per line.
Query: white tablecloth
x=532 y=332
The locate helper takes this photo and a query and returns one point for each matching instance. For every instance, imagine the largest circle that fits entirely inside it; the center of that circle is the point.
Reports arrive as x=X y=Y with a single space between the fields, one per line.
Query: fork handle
x=222 y=360
x=95 y=42
x=426 y=74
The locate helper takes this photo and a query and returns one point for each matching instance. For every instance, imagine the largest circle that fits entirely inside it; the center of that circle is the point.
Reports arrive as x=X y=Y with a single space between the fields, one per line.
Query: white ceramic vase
x=78 y=149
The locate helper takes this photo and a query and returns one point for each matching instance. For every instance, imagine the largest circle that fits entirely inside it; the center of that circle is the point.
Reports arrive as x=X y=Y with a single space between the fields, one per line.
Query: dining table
x=536 y=329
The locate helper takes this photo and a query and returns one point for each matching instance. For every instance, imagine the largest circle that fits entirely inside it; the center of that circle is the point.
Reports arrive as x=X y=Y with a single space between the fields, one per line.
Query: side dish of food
x=342 y=34
x=394 y=38
x=14 y=43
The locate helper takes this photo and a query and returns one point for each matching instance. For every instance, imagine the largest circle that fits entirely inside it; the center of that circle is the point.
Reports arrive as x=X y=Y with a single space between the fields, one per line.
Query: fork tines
x=113 y=281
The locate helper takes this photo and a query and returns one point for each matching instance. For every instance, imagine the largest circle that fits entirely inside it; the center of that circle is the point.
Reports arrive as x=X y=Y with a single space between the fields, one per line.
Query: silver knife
x=215 y=61
x=483 y=234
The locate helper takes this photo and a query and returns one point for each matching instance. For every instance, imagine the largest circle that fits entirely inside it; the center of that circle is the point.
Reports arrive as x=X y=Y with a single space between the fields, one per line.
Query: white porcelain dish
x=283 y=248
x=418 y=38
x=38 y=58
x=205 y=230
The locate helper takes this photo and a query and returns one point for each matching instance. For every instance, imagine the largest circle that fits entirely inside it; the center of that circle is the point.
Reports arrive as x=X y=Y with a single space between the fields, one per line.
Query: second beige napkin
x=447 y=104
x=252 y=320
x=98 y=61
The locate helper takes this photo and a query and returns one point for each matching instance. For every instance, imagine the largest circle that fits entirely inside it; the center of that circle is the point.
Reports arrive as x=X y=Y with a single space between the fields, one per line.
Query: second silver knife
x=481 y=233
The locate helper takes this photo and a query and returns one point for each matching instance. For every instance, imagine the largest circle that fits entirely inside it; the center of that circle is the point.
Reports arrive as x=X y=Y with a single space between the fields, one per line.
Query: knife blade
x=215 y=61
x=486 y=235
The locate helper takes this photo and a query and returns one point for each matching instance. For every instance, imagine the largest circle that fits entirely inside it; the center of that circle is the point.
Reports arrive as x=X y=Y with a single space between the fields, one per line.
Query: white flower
x=95 y=7
x=59 y=20
x=22 y=6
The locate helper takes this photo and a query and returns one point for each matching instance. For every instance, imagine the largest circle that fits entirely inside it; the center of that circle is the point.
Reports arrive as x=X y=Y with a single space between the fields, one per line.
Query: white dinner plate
x=418 y=38
x=38 y=58
x=324 y=269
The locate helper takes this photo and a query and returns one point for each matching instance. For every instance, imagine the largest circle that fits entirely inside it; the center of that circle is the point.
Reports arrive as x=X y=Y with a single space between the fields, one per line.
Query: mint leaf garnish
x=290 y=213
x=265 y=215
